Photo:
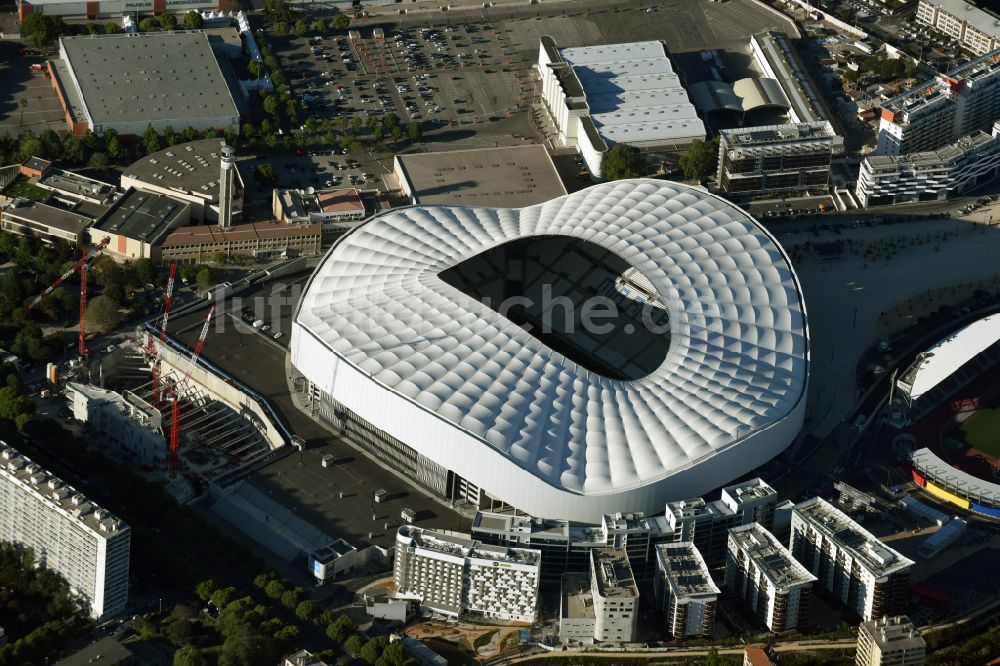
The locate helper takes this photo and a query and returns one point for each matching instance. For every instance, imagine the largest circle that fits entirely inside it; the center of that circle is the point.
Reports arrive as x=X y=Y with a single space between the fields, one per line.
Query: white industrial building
x=94 y=10
x=124 y=420
x=761 y=572
x=707 y=524
x=128 y=82
x=68 y=533
x=603 y=607
x=455 y=576
x=933 y=175
x=937 y=112
x=597 y=96
x=974 y=28
x=685 y=593
x=890 y=641
x=700 y=376
x=850 y=563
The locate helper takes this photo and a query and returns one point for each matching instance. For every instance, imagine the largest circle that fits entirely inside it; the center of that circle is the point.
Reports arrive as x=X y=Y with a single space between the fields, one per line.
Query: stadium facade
x=428 y=335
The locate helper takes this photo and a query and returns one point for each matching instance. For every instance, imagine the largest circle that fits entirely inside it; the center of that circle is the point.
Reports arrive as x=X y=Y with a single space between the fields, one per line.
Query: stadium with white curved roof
x=633 y=343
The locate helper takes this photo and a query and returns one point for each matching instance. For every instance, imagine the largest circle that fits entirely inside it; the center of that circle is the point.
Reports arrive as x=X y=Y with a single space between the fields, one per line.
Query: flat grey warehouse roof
x=141 y=215
x=155 y=76
x=506 y=177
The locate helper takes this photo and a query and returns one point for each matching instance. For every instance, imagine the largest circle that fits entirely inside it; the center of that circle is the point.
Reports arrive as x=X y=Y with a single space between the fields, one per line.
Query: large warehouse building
x=127 y=82
x=428 y=335
x=93 y=10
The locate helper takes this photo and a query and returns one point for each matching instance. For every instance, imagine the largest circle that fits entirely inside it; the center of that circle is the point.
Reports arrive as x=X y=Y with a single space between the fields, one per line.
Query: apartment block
x=68 y=532
x=976 y=29
x=890 y=641
x=761 y=572
x=933 y=175
x=684 y=591
x=776 y=160
x=565 y=546
x=707 y=524
x=850 y=563
x=455 y=576
x=940 y=111
x=603 y=606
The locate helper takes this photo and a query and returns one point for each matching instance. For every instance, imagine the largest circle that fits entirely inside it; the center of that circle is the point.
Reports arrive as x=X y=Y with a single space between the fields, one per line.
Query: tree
x=622 y=161
x=112 y=28
x=271 y=106
x=74 y=150
x=255 y=68
x=341 y=628
x=205 y=588
x=699 y=160
x=712 y=659
x=204 y=277
x=221 y=598
x=41 y=29
x=275 y=589
x=320 y=26
x=102 y=314
x=14 y=404
x=149 y=24
x=179 y=632
x=193 y=20
x=188 y=656
x=151 y=140
x=413 y=130
x=373 y=649
x=265 y=174
x=301 y=27
x=98 y=161
x=167 y=21
x=144 y=271
x=281 y=27
x=115 y=149
x=290 y=598
x=354 y=644
x=286 y=636
x=306 y=610
x=341 y=22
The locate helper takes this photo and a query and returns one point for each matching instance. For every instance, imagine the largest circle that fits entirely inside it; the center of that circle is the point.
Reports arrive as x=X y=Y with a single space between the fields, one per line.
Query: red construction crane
x=168 y=299
x=175 y=406
x=80 y=265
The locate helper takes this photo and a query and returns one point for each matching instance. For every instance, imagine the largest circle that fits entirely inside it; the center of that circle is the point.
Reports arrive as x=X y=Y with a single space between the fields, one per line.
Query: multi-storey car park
x=428 y=336
x=776 y=160
x=68 y=533
x=860 y=571
x=941 y=110
x=932 y=175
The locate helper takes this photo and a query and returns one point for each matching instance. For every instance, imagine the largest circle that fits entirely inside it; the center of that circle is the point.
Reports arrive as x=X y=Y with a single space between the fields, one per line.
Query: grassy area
x=982 y=431
x=22 y=188
x=483 y=639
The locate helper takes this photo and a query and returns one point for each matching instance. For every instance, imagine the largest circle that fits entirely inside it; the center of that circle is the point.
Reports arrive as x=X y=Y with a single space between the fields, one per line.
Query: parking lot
x=323 y=169
x=18 y=82
x=433 y=75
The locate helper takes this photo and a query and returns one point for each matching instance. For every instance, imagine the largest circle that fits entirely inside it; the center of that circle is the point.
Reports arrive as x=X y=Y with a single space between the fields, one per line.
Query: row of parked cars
x=250 y=317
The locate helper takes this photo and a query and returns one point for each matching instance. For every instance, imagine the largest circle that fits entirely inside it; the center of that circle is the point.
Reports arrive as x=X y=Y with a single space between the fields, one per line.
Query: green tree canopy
x=204 y=277
x=301 y=27
x=102 y=314
x=341 y=628
x=700 y=159
x=413 y=130
x=193 y=20
x=180 y=632
x=265 y=174
x=621 y=161
x=151 y=140
x=188 y=656
x=205 y=588
x=167 y=21
x=341 y=22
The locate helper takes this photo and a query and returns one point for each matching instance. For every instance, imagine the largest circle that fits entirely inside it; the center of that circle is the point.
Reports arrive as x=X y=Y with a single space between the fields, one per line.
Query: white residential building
x=684 y=590
x=890 y=641
x=707 y=524
x=932 y=175
x=974 y=28
x=69 y=534
x=455 y=576
x=122 y=419
x=597 y=96
x=937 y=112
x=603 y=607
x=864 y=574
x=764 y=574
